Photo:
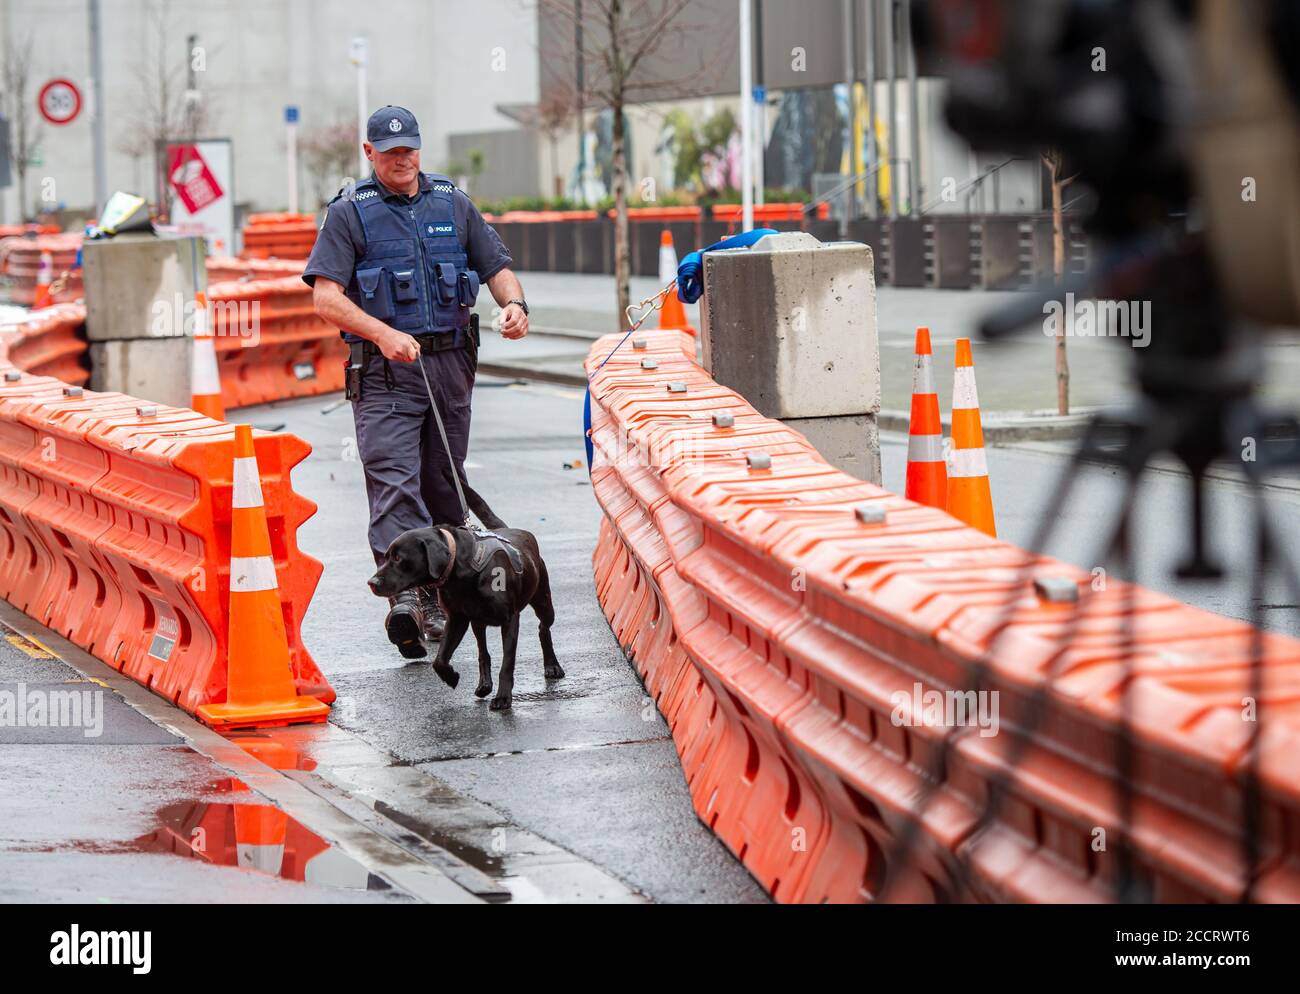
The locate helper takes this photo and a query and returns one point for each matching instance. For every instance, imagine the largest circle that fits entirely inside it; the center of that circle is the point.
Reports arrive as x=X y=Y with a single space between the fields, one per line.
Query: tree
x=1054 y=163
x=466 y=171
x=330 y=154
x=19 y=107
x=555 y=111
x=701 y=147
x=163 y=110
x=623 y=44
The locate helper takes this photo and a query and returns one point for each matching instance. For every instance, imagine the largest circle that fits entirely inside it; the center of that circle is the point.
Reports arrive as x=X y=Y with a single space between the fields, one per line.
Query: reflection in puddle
x=253 y=835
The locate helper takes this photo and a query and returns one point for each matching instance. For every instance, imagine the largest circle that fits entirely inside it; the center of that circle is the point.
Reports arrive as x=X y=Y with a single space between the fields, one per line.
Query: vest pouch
x=448 y=292
x=467 y=284
x=404 y=289
x=375 y=297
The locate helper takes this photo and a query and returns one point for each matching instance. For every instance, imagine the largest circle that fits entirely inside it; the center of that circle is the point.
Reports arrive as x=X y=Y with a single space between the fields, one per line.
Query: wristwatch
x=523 y=304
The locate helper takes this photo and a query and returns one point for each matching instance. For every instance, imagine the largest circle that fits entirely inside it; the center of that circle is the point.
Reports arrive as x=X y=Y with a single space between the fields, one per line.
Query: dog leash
x=689 y=285
x=442 y=433
x=647 y=307
x=460 y=493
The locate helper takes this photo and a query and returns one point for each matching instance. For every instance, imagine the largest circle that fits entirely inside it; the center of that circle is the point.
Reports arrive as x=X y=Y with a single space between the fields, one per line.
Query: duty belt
x=360 y=353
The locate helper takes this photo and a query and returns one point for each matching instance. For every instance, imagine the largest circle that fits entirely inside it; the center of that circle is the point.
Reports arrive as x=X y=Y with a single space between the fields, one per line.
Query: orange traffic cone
x=44 y=277
x=205 y=380
x=672 y=314
x=259 y=683
x=927 y=480
x=260 y=832
x=969 y=498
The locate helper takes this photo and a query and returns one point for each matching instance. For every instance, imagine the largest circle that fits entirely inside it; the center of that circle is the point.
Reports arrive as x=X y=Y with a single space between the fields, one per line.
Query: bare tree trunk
x=618 y=83
x=557 y=181
x=622 y=252
x=23 y=215
x=1058 y=267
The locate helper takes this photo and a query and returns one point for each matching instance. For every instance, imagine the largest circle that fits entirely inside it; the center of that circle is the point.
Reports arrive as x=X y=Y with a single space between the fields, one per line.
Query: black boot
x=405 y=624
x=435 y=618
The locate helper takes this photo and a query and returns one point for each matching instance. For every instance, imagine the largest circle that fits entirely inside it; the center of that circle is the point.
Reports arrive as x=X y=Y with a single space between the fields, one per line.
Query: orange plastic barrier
x=10 y=230
x=20 y=260
x=115 y=518
x=50 y=342
x=270 y=343
x=789 y=619
x=532 y=217
x=286 y=236
x=768 y=212
x=223 y=268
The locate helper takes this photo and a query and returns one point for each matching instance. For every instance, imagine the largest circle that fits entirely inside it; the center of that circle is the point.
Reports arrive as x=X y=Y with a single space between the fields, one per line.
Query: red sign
x=59 y=101
x=190 y=177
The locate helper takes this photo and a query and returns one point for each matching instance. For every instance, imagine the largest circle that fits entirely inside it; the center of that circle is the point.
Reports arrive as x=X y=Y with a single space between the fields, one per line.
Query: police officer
x=397 y=267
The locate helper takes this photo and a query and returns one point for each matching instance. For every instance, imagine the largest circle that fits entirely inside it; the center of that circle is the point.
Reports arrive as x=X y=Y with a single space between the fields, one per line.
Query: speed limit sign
x=59 y=101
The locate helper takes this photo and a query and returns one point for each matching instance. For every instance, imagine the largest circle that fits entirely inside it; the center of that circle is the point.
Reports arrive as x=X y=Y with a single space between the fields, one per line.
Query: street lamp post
x=291 y=139
x=746 y=122
x=360 y=57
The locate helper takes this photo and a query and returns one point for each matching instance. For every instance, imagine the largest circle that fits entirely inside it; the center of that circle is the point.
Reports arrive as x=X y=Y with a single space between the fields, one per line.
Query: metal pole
x=759 y=107
x=360 y=56
x=746 y=122
x=850 y=74
x=97 y=100
x=582 y=130
x=915 y=192
x=891 y=112
x=873 y=150
x=291 y=138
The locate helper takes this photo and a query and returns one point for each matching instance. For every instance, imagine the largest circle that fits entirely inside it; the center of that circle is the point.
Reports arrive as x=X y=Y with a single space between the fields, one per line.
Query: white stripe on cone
x=205 y=380
x=267 y=858
x=925 y=448
x=247 y=483
x=967 y=462
x=964 y=397
x=667 y=264
x=250 y=574
x=923 y=376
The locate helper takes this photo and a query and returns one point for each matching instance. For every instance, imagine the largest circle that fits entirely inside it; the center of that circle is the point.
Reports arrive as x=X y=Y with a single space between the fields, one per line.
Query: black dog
x=485 y=579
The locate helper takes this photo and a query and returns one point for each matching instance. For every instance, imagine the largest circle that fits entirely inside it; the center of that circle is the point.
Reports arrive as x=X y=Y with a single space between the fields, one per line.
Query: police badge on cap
x=392 y=127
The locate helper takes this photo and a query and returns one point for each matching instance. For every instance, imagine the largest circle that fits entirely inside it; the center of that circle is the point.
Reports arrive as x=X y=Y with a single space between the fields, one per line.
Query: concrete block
x=790 y=323
x=850 y=443
x=142 y=286
x=154 y=369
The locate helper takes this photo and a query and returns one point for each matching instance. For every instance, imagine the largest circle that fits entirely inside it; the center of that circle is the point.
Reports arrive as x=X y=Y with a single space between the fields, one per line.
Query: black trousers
x=406 y=467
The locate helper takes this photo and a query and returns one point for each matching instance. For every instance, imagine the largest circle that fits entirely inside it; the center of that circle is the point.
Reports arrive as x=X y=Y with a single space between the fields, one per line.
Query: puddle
x=549 y=695
x=258 y=837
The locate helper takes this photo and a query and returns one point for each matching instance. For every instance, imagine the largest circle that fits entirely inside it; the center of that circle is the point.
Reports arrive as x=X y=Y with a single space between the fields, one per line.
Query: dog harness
x=488 y=543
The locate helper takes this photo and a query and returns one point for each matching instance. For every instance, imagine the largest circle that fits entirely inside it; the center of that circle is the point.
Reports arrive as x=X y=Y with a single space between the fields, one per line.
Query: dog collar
x=451 y=557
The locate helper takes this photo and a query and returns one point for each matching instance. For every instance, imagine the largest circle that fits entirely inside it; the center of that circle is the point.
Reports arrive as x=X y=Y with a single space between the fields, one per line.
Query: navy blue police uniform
x=416 y=263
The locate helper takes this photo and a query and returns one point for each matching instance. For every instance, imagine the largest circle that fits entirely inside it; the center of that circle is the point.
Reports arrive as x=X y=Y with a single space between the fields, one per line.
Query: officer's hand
x=399 y=346
x=514 y=322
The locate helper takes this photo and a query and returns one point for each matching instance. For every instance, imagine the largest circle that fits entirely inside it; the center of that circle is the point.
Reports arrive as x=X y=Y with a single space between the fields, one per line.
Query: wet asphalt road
x=588 y=763
x=101 y=811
